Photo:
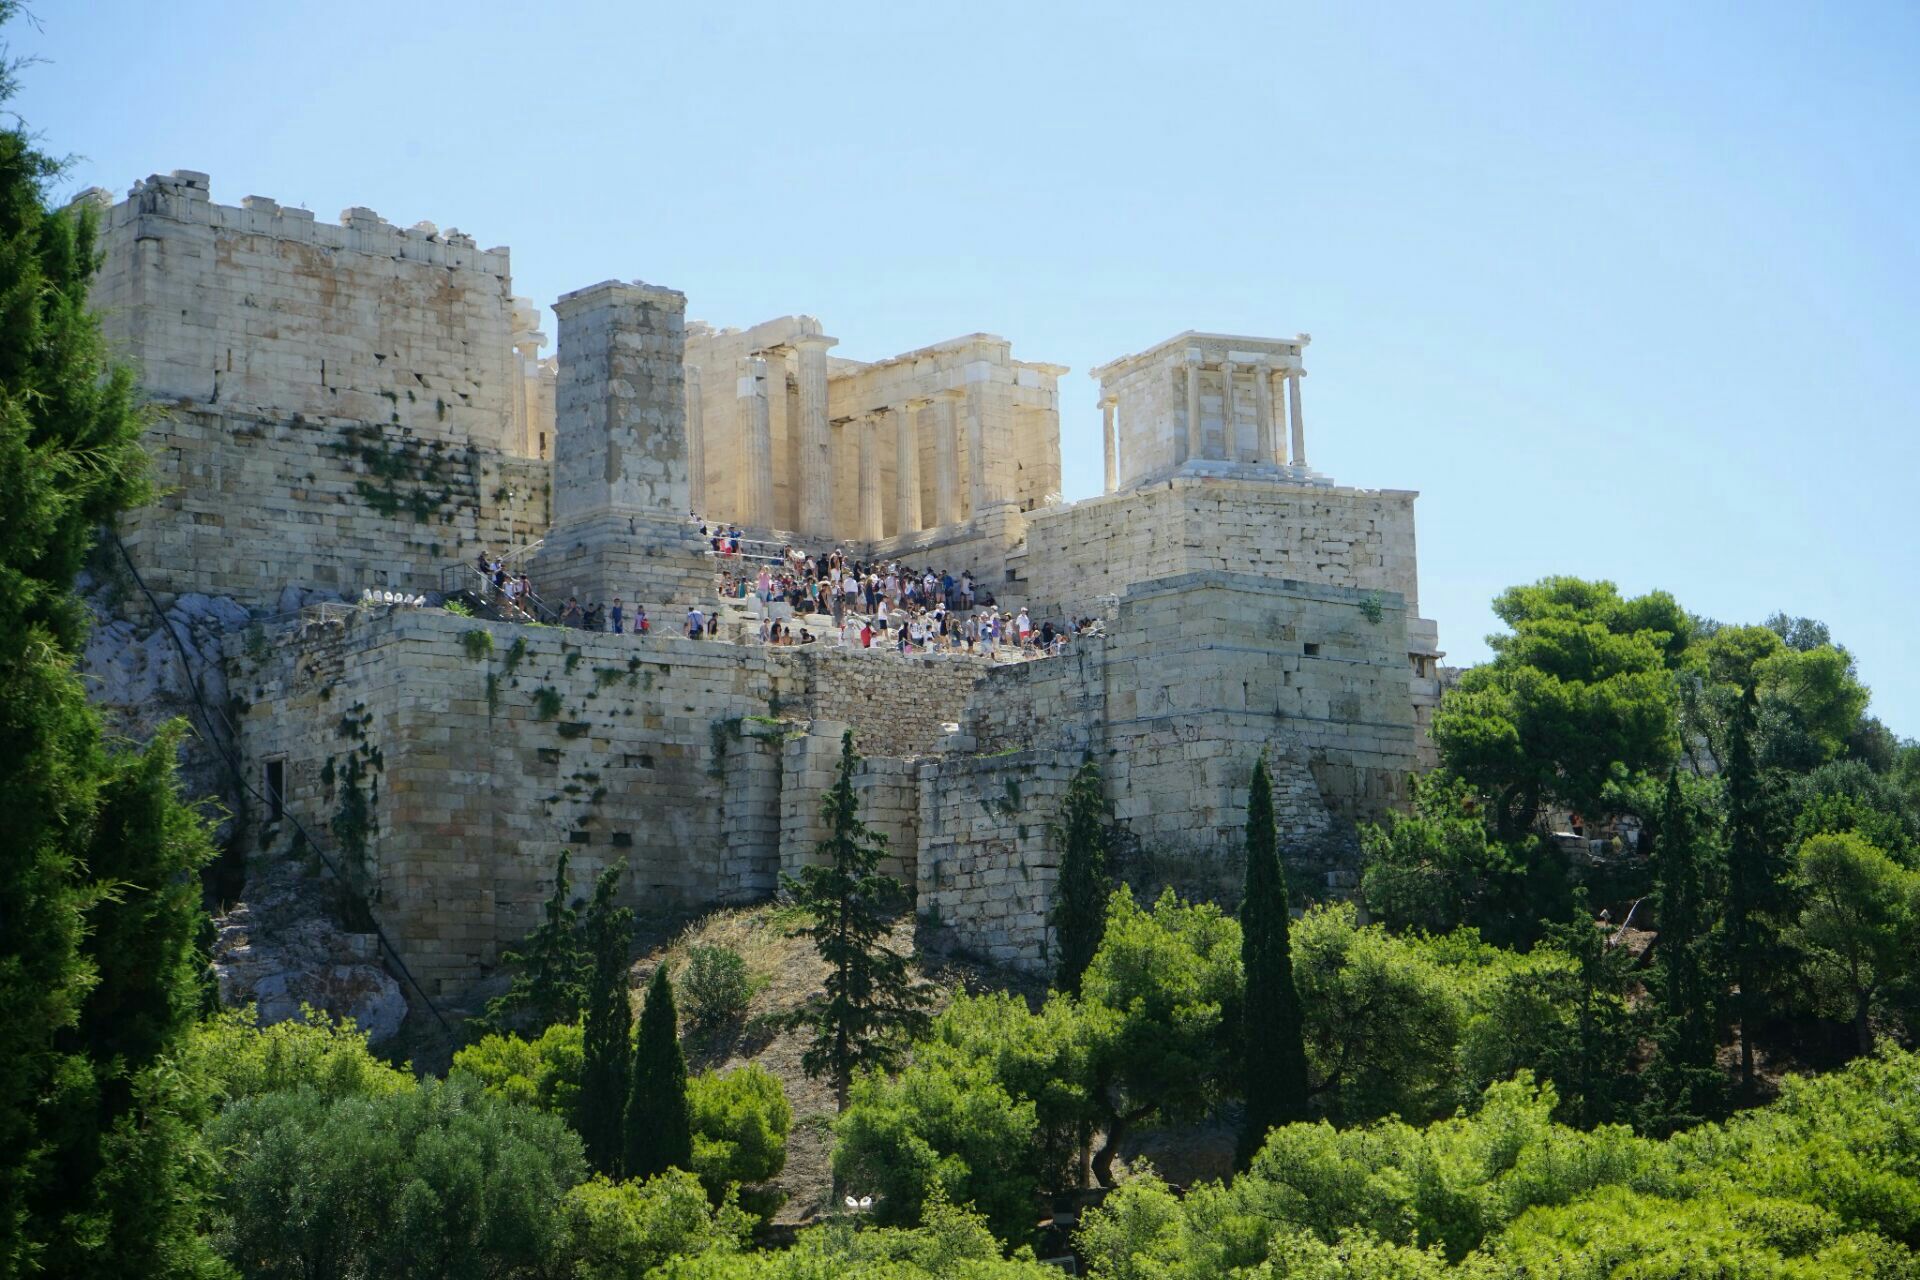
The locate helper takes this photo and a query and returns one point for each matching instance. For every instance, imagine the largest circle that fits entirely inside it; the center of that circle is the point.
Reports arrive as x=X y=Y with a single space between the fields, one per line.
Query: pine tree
x=1080 y=902
x=659 y=1120
x=1273 y=1039
x=1753 y=882
x=549 y=981
x=871 y=1000
x=98 y=855
x=607 y=1033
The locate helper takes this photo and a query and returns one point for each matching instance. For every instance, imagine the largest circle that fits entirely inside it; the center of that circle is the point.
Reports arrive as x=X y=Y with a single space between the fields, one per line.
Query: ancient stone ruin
x=364 y=408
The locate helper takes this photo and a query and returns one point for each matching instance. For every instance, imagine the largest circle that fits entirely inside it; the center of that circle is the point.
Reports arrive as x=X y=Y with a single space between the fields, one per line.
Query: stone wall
x=1358 y=538
x=263 y=308
x=251 y=504
x=988 y=855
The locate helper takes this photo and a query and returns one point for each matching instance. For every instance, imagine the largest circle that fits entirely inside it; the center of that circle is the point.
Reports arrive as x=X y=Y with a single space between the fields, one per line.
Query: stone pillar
x=1107 y=406
x=872 y=515
x=620 y=446
x=815 y=507
x=1266 y=443
x=696 y=444
x=946 y=460
x=756 y=476
x=1194 y=438
x=906 y=469
x=976 y=449
x=1293 y=412
x=1229 y=434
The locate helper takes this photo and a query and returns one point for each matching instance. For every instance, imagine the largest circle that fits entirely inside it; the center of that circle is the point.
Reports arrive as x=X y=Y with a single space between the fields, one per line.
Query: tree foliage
x=872 y=1001
x=1582 y=688
x=1080 y=902
x=658 y=1118
x=1859 y=925
x=1274 y=1056
x=606 y=1028
x=741 y=1119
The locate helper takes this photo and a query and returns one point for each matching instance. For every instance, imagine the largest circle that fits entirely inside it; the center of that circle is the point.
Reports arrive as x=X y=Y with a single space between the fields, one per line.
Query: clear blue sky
x=1626 y=291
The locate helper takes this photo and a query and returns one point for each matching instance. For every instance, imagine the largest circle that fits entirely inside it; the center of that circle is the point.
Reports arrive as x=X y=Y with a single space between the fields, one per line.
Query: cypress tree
x=659 y=1119
x=607 y=1032
x=98 y=854
x=871 y=999
x=1752 y=882
x=1080 y=902
x=1683 y=1079
x=1273 y=1039
x=550 y=971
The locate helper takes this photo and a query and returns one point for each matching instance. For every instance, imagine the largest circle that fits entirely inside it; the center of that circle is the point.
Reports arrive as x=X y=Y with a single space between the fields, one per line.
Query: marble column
x=906 y=469
x=756 y=478
x=1229 y=433
x=815 y=506
x=696 y=445
x=872 y=512
x=1266 y=444
x=946 y=460
x=976 y=450
x=1107 y=406
x=1194 y=438
x=1293 y=413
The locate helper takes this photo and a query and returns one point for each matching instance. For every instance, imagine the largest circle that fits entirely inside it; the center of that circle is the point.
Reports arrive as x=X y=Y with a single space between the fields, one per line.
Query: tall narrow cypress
x=1752 y=881
x=607 y=1029
x=1683 y=1081
x=659 y=1120
x=1274 y=1046
x=1080 y=902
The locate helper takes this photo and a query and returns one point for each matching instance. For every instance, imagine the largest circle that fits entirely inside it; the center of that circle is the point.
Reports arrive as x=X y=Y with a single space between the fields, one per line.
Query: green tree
x=871 y=1000
x=1684 y=1080
x=1080 y=901
x=545 y=1073
x=95 y=1151
x=1581 y=688
x=549 y=981
x=607 y=1028
x=1275 y=1055
x=1594 y=1063
x=741 y=1119
x=1859 y=924
x=1753 y=885
x=433 y=1180
x=1169 y=980
x=659 y=1120
x=619 y=1230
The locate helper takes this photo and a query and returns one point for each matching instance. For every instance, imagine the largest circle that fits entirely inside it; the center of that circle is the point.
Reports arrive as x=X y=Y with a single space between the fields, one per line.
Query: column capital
x=1108 y=400
x=814 y=342
x=1195 y=356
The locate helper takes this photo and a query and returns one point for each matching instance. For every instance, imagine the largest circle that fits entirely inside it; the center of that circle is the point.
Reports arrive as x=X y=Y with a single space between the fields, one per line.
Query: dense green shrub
x=543 y=1073
x=715 y=986
x=620 y=1230
x=741 y=1119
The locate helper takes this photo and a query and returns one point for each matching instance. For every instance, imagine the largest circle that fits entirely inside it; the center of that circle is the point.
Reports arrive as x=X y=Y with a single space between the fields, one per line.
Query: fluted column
x=946 y=460
x=872 y=513
x=1229 y=429
x=1293 y=412
x=756 y=478
x=815 y=506
x=1194 y=437
x=1265 y=444
x=1107 y=406
x=696 y=444
x=906 y=469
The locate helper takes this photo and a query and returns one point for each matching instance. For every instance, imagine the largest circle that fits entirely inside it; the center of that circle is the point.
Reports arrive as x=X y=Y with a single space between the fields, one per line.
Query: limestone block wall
x=263 y=308
x=988 y=857
x=897 y=706
x=252 y=503
x=887 y=790
x=1356 y=538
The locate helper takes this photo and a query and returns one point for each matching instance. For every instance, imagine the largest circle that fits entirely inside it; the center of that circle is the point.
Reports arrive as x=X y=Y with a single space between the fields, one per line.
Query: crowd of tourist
x=832 y=599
